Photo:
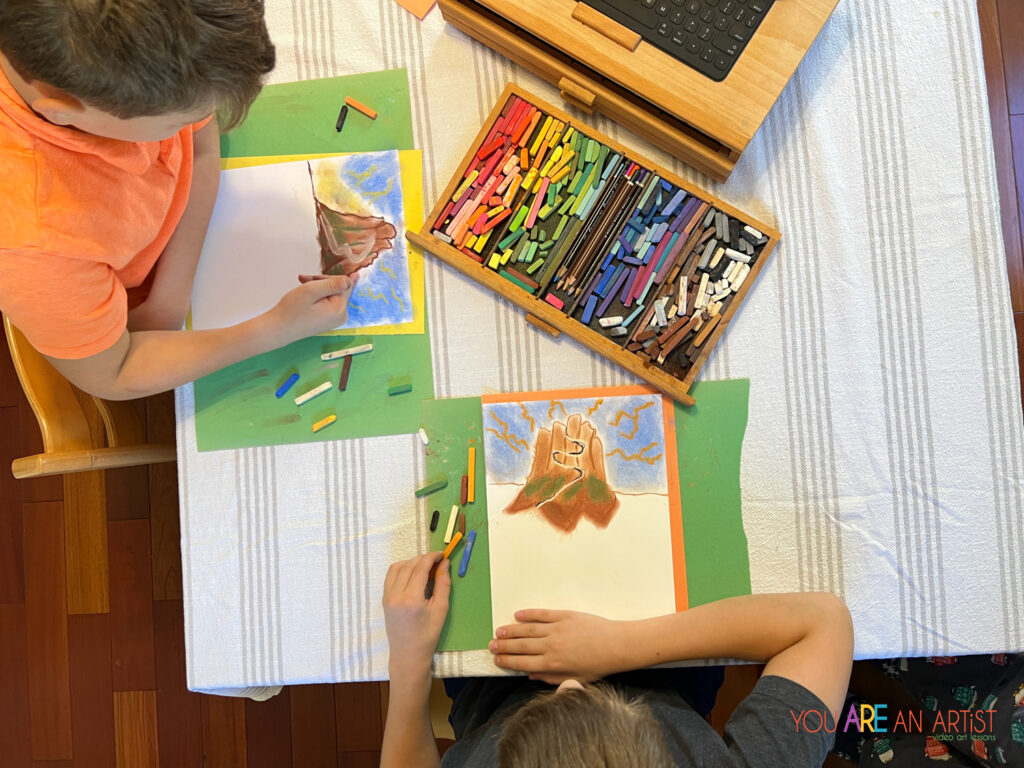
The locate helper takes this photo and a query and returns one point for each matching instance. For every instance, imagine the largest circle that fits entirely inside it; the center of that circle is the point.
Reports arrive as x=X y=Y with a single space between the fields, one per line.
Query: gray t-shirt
x=760 y=734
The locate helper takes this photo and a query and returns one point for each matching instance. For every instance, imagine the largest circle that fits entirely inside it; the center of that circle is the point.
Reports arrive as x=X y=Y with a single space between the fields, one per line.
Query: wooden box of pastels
x=596 y=242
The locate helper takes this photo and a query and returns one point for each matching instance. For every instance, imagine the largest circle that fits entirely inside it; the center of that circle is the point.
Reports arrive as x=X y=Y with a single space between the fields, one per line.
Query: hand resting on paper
x=554 y=646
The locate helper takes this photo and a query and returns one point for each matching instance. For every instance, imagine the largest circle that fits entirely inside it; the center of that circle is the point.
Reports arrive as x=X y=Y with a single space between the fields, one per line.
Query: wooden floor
x=91 y=638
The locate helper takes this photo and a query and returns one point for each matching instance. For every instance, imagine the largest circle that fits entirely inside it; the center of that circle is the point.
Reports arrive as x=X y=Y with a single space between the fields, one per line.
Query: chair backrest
x=70 y=443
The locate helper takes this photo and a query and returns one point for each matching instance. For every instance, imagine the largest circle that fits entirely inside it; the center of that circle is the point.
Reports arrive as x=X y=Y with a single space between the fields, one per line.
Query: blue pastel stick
x=588 y=312
x=288 y=384
x=466 y=552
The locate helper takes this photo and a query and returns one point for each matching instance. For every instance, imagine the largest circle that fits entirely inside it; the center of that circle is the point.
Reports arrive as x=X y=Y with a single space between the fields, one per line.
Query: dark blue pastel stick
x=288 y=384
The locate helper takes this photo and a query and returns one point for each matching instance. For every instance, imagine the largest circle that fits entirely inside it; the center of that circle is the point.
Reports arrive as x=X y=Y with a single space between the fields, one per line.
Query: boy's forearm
x=752 y=628
x=176 y=268
x=408 y=735
x=806 y=637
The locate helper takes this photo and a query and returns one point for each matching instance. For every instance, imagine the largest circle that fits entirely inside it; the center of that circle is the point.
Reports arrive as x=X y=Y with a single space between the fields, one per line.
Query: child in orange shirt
x=111 y=161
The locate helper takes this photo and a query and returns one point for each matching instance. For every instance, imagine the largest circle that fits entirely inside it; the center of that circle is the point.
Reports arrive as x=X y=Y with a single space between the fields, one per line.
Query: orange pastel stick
x=361 y=107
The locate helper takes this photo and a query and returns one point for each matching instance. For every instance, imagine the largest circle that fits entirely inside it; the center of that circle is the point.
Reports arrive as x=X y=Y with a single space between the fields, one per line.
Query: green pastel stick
x=567 y=205
x=537 y=264
x=517 y=281
x=510 y=239
x=558 y=230
x=546 y=246
x=544 y=212
x=542 y=236
x=432 y=487
x=520 y=217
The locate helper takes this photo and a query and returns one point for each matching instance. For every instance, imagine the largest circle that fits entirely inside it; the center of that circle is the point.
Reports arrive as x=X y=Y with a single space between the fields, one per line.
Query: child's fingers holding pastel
x=518 y=646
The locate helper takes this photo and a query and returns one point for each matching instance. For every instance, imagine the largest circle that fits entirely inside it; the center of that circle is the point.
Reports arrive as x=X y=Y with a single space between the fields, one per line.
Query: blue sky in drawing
x=631 y=428
x=383 y=294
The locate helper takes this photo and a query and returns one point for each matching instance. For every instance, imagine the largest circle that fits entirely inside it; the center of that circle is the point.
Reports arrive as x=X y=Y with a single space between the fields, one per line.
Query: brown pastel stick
x=345 y=368
x=464 y=492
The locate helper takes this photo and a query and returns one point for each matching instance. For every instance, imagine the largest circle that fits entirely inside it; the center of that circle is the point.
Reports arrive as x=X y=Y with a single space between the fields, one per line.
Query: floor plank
x=1002 y=142
x=314 y=730
x=1017 y=134
x=135 y=727
x=223 y=732
x=12 y=581
x=92 y=700
x=50 y=488
x=370 y=759
x=163 y=502
x=85 y=543
x=1011 y=24
x=179 y=711
x=357 y=712
x=127 y=493
x=15 y=729
x=10 y=387
x=131 y=606
x=268 y=732
x=47 y=631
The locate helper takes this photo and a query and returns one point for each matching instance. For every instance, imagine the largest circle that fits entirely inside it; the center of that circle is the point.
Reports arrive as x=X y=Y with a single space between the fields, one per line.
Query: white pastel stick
x=753 y=231
x=716 y=258
x=618 y=331
x=608 y=322
x=739 y=277
x=316 y=391
x=659 y=314
x=423 y=436
x=346 y=352
x=735 y=255
x=453 y=518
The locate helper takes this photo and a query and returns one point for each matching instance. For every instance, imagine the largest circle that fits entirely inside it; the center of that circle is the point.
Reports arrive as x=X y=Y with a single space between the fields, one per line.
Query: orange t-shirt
x=82 y=220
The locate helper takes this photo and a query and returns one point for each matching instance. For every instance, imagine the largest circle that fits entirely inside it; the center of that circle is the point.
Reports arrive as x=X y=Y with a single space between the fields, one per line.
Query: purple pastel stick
x=630 y=274
x=611 y=294
x=684 y=215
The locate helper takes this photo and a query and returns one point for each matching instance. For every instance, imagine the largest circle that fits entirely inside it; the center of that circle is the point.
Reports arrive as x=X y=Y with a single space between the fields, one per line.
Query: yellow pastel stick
x=325 y=422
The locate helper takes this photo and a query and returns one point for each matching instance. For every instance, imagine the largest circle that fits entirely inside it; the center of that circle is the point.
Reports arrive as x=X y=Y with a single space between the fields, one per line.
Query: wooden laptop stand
x=599 y=65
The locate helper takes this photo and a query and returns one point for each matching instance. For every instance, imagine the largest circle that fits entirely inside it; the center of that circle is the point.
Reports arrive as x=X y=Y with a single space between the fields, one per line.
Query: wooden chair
x=70 y=442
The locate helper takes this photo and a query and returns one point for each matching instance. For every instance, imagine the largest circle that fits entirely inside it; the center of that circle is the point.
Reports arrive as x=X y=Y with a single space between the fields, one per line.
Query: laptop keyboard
x=708 y=35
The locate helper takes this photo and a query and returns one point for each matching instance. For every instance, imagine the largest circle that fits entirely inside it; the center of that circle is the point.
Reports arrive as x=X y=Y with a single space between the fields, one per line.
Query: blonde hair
x=591 y=727
x=136 y=58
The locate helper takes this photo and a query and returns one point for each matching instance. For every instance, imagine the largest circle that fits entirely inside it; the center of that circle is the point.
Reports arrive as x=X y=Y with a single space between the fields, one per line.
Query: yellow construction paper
x=411 y=163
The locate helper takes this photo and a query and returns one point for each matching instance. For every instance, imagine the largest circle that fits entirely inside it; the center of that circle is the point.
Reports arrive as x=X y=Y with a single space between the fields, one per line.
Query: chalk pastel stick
x=467 y=553
x=339 y=353
x=432 y=487
x=288 y=384
x=316 y=391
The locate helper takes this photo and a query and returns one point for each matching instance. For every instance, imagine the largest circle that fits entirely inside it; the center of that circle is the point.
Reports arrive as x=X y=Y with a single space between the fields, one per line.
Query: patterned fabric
x=883 y=454
x=990 y=689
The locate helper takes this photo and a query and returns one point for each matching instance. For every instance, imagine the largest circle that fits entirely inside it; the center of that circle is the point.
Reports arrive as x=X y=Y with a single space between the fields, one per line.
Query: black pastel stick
x=341 y=118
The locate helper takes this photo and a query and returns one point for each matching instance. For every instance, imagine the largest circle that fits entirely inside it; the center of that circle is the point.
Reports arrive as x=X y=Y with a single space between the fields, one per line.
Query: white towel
x=883 y=455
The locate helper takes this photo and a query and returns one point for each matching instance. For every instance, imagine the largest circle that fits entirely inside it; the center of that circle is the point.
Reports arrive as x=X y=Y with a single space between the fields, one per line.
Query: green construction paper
x=236 y=407
x=450 y=425
x=299 y=118
x=709 y=440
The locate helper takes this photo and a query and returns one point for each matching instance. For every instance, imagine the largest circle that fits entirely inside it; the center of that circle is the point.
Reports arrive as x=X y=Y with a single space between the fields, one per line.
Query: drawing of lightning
x=510 y=439
x=595 y=406
x=633 y=416
x=558 y=404
x=527 y=417
x=652 y=460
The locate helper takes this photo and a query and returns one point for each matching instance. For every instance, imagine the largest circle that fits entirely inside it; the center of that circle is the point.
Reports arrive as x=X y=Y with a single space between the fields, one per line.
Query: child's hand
x=413 y=622
x=313 y=307
x=559 y=645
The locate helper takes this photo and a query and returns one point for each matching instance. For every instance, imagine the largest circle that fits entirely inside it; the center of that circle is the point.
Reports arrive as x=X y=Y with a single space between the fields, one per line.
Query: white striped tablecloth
x=883 y=455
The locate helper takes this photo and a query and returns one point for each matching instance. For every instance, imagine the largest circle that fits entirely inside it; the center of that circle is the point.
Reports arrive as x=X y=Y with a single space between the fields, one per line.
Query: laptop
x=707 y=35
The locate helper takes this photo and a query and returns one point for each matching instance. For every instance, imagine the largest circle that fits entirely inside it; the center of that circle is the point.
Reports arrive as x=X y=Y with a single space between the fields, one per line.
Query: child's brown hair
x=590 y=727
x=140 y=58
